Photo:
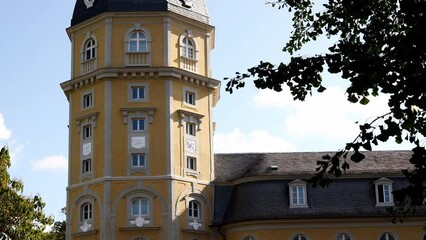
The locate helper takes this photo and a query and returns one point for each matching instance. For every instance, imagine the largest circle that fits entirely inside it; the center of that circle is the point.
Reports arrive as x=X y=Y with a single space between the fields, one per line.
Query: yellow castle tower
x=140 y=120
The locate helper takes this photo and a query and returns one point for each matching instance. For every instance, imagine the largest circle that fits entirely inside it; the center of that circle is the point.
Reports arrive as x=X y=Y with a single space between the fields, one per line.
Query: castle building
x=141 y=161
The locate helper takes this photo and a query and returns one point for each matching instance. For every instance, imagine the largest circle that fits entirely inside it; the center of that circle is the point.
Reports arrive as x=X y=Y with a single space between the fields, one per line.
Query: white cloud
x=254 y=141
x=5 y=133
x=51 y=163
x=328 y=114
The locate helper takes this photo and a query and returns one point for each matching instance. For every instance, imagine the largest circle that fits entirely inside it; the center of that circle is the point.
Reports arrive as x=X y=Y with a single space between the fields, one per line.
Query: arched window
x=140 y=207
x=249 y=238
x=188 y=48
x=300 y=237
x=194 y=209
x=344 y=236
x=387 y=236
x=138 y=42
x=86 y=212
x=89 y=49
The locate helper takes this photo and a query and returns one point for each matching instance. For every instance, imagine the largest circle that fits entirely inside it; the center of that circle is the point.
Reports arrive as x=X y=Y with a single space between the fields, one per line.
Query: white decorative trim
x=89 y=3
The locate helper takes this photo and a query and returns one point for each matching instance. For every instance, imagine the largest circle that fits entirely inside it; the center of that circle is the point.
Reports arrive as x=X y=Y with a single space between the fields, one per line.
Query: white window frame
x=81 y=203
x=139 y=201
x=191 y=129
x=148 y=217
x=138 y=165
x=344 y=236
x=249 y=238
x=146 y=52
x=386 y=192
x=132 y=86
x=194 y=208
x=83 y=211
x=87 y=100
x=191 y=219
x=298 y=184
x=139 y=127
x=388 y=236
x=189 y=48
x=300 y=237
x=87 y=132
x=194 y=161
x=86 y=170
x=138 y=40
x=190 y=98
x=90 y=49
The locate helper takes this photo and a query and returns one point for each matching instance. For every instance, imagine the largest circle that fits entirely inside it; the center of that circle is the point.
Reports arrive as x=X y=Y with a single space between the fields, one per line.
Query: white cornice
x=143 y=72
x=138 y=178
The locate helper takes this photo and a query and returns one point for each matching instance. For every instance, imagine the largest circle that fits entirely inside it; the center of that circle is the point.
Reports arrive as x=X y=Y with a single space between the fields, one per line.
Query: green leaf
x=364 y=101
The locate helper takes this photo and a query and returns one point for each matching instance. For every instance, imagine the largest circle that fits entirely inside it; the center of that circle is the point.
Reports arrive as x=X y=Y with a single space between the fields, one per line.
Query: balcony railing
x=188 y=64
x=88 y=66
x=138 y=58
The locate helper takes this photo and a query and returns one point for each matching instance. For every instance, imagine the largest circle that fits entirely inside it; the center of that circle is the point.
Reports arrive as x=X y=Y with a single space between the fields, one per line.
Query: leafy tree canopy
x=21 y=217
x=380 y=48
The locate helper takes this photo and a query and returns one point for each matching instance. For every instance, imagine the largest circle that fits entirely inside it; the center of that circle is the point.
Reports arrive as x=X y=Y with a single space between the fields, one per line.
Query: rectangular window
x=87 y=166
x=190 y=129
x=138 y=93
x=138 y=124
x=87 y=131
x=87 y=100
x=298 y=196
x=138 y=160
x=190 y=97
x=191 y=163
x=384 y=193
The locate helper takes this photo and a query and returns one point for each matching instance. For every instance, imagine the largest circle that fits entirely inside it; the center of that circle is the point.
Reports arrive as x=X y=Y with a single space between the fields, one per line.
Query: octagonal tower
x=140 y=120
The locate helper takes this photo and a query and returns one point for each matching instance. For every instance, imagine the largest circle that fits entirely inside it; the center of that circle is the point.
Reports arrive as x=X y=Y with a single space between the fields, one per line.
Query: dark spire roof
x=195 y=9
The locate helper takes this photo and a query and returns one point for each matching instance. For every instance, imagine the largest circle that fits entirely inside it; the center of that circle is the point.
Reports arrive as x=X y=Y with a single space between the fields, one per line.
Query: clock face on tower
x=89 y=3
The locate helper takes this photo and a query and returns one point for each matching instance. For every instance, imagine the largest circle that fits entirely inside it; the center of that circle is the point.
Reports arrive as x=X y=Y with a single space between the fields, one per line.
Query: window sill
x=138 y=170
x=85 y=233
x=298 y=206
x=86 y=177
x=193 y=173
x=130 y=229
x=188 y=230
x=385 y=204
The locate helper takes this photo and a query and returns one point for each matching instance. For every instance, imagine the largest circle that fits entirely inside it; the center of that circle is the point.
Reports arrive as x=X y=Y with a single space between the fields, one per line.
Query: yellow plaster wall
x=198 y=35
x=97 y=134
x=80 y=34
x=122 y=24
x=371 y=231
x=203 y=136
x=74 y=195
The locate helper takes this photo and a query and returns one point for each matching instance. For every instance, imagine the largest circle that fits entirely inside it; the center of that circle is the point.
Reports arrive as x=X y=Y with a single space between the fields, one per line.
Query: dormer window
x=297 y=192
x=383 y=189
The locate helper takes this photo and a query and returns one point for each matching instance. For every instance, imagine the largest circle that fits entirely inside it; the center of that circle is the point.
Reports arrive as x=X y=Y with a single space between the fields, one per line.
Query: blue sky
x=35 y=59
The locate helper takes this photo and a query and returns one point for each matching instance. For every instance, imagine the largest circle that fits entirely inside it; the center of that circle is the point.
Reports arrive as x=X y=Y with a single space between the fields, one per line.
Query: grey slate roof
x=229 y=167
x=198 y=11
x=268 y=197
